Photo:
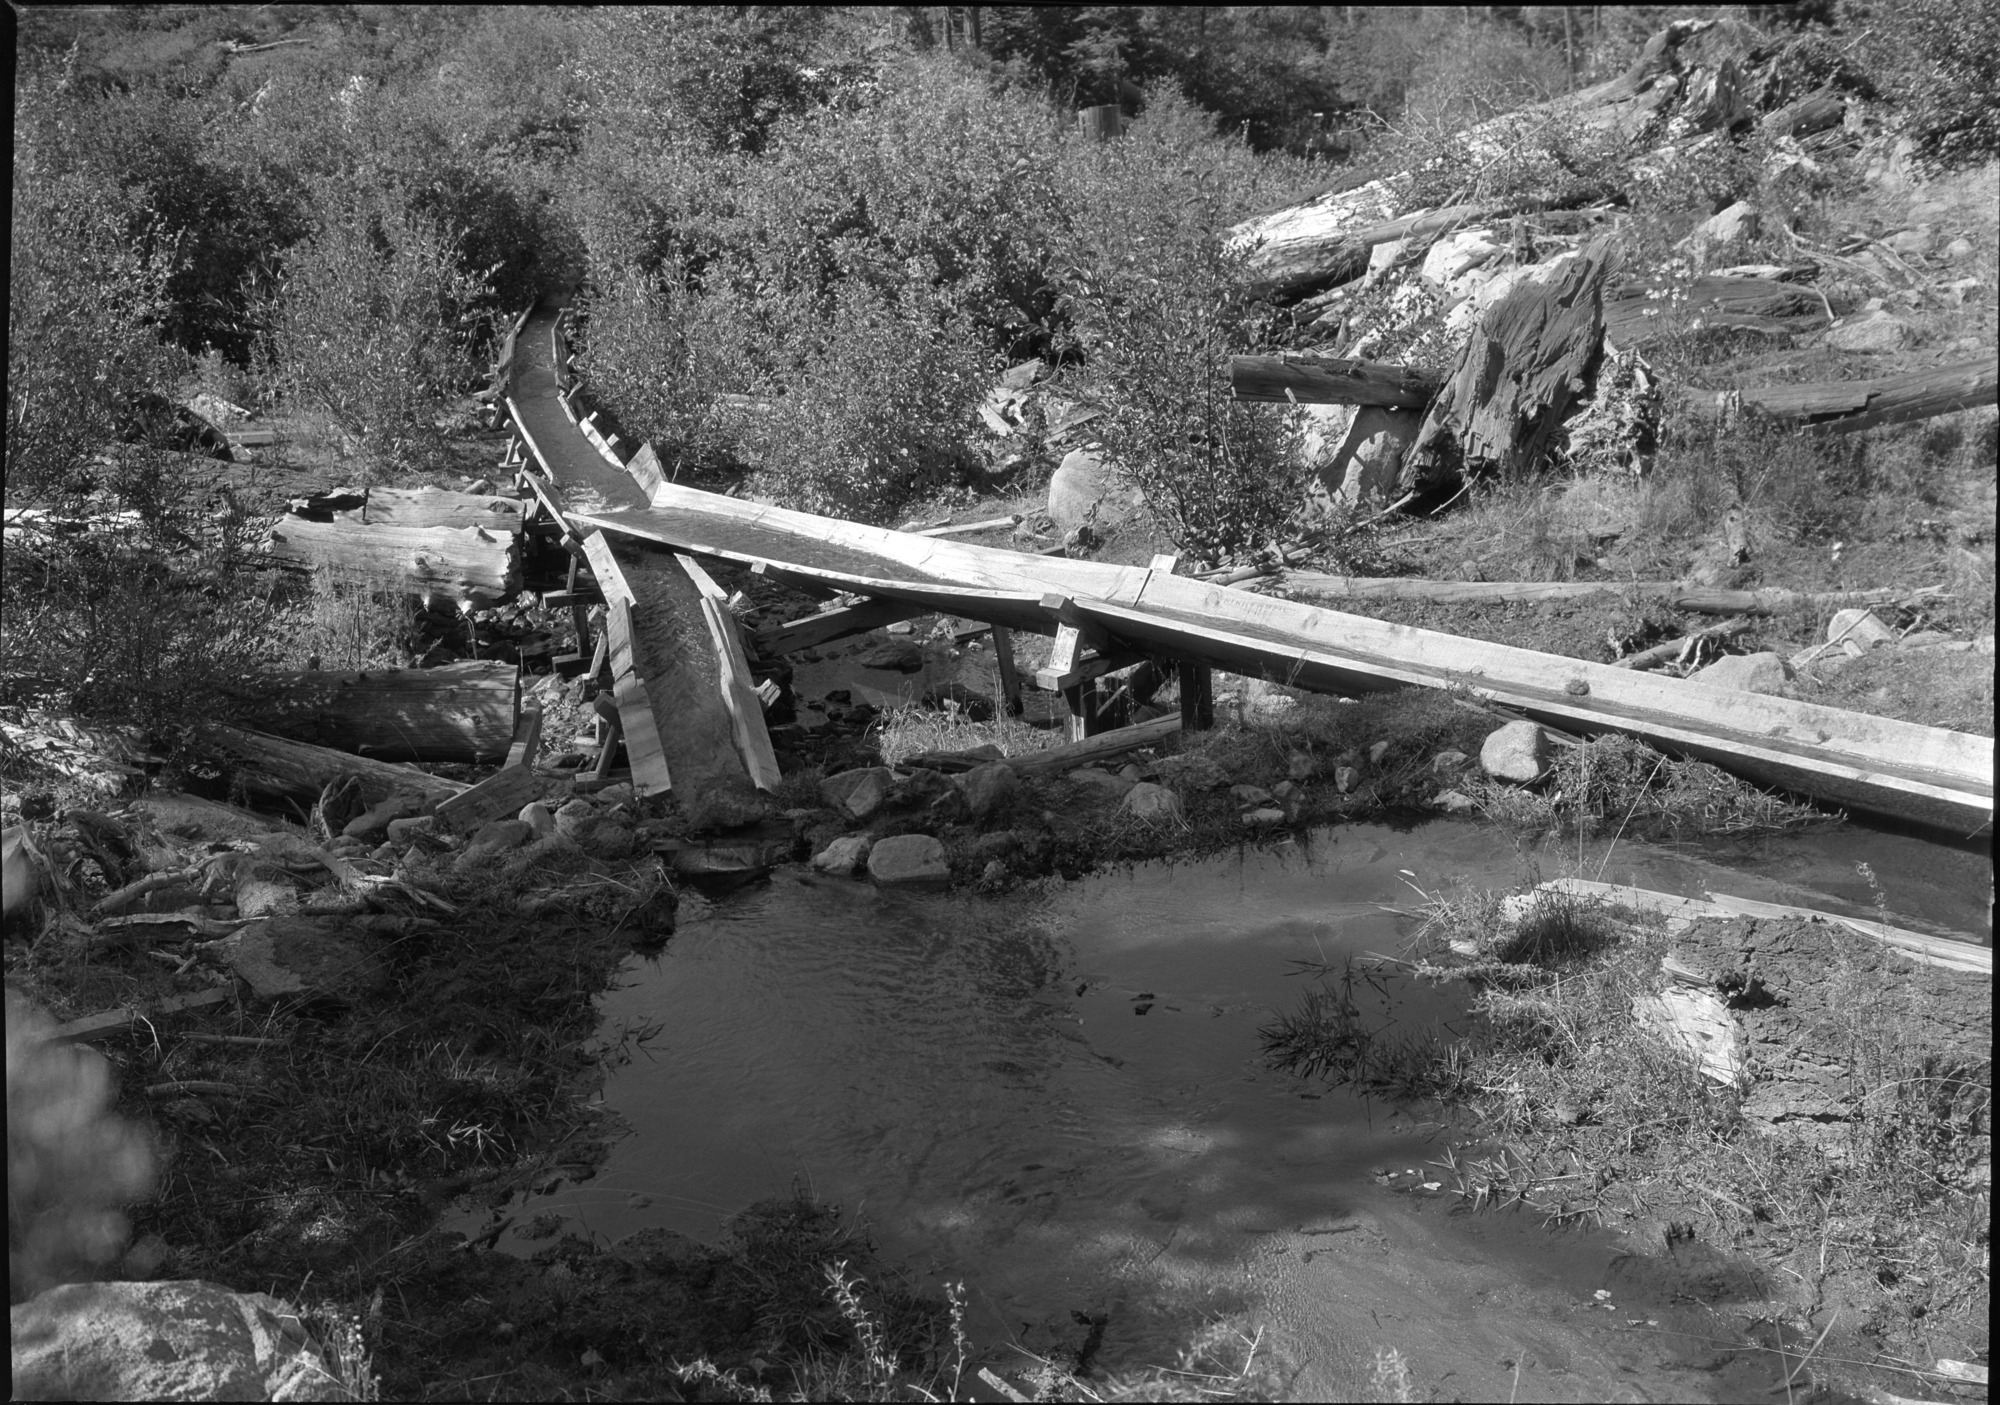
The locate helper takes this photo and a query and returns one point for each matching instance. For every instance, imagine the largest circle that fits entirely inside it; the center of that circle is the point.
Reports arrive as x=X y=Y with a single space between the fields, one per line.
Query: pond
x=1061 y=1097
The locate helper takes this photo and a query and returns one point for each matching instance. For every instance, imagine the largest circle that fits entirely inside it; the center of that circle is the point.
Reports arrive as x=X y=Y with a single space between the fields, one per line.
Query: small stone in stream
x=1751 y=673
x=1249 y=795
x=914 y=861
x=404 y=830
x=1517 y=753
x=497 y=836
x=846 y=855
x=997 y=845
x=1264 y=818
x=1377 y=752
x=574 y=817
x=179 y=1340
x=1345 y=778
x=901 y=655
x=1454 y=802
x=1446 y=762
x=858 y=793
x=1147 y=801
x=1102 y=781
x=1301 y=767
x=538 y=817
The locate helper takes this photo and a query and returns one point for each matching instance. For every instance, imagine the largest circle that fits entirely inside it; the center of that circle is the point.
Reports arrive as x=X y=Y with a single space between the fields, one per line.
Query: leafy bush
x=1940 y=61
x=373 y=321
x=1157 y=304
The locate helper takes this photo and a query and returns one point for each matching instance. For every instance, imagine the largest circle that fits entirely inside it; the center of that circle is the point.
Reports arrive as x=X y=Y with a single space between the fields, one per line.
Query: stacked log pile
x=1507 y=306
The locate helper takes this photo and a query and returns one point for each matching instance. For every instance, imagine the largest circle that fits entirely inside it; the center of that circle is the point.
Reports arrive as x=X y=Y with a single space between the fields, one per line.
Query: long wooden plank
x=651 y=772
x=1964 y=955
x=1676 y=594
x=739 y=696
x=829 y=625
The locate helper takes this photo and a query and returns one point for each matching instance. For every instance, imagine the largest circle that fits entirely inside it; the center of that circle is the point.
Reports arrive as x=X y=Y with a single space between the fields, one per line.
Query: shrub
x=373 y=321
x=1940 y=60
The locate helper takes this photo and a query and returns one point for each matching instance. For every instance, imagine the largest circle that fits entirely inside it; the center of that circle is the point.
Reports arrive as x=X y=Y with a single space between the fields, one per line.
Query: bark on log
x=282 y=771
x=1325 y=380
x=1846 y=407
x=1636 y=314
x=435 y=507
x=1527 y=361
x=460 y=712
x=469 y=564
x=1815 y=112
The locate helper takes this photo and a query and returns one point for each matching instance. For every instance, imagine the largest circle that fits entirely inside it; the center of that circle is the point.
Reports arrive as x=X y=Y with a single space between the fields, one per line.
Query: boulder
x=1101 y=781
x=846 y=856
x=404 y=830
x=1377 y=752
x=1751 y=673
x=899 y=655
x=498 y=836
x=914 y=861
x=1194 y=771
x=1345 y=778
x=180 y=1340
x=539 y=818
x=997 y=845
x=989 y=790
x=610 y=839
x=1734 y=225
x=1447 y=763
x=1858 y=632
x=1517 y=752
x=574 y=817
x=1085 y=490
x=1147 y=801
x=305 y=958
x=994 y=874
x=371 y=824
x=1878 y=330
x=1301 y=767
x=858 y=793
x=1454 y=802
x=1249 y=795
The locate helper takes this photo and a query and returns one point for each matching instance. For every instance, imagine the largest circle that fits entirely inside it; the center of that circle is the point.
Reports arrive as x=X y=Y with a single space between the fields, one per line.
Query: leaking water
x=1061 y=1097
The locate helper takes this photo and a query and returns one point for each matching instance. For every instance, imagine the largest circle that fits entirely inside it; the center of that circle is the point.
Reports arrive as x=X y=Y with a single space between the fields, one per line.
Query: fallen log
x=1325 y=380
x=472 y=565
x=1070 y=755
x=434 y=507
x=1674 y=648
x=283 y=771
x=1845 y=407
x=1640 y=313
x=460 y=712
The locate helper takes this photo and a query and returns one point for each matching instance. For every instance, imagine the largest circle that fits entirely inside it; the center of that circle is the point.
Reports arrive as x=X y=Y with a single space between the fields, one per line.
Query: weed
x=1389 y=1376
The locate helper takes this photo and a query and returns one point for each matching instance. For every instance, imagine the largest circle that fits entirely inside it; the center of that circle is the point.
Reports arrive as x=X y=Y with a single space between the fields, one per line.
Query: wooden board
x=829 y=625
x=651 y=772
x=435 y=507
x=499 y=796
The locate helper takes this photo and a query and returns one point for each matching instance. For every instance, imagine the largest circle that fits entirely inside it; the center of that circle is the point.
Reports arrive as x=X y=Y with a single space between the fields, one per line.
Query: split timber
x=1925 y=775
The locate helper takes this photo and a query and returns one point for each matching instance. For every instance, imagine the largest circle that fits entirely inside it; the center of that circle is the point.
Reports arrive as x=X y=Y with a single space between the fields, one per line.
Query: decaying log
x=469 y=564
x=1640 y=313
x=1105 y=744
x=278 y=769
x=1326 y=380
x=1528 y=360
x=1666 y=653
x=460 y=712
x=435 y=507
x=1844 y=407
x=1676 y=594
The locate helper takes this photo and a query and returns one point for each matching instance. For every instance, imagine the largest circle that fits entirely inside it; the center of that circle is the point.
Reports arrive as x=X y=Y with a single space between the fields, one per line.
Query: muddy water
x=1061 y=1098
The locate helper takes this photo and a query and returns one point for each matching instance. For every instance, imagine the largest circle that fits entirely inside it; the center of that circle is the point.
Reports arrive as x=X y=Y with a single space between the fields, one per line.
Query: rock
x=1355 y=453
x=858 y=793
x=1872 y=331
x=994 y=874
x=1081 y=483
x=1197 y=771
x=914 y=861
x=1264 y=818
x=846 y=856
x=1958 y=250
x=574 y=817
x=498 y=836
x=989 y=790
x=1517 y=753
x=266 y=892
x=1147 y=801
x=181 y=1340
x=1290 y=795
x=1102 y=781
x=900 y=655
x=997 y=845
x=1858 y=632
x=538 y=818
x=1301 y=767
x=1454 y=802
x=404 y=830
x=1917 y=241
x=1377 y=752
x=1345 y=778
x=372 y=823
x=611 y=840
x=1249 y=795
x=1453 y=257
x=1447 y=762
x=1734 y=225
x=480 y=487
x=620 y=794
x=1752 y=673
x=385 y=852
x=301 y=958
x=902 y=627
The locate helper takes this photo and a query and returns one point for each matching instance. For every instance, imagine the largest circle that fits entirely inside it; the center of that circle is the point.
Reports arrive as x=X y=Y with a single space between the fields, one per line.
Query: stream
x=1060 y=1097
